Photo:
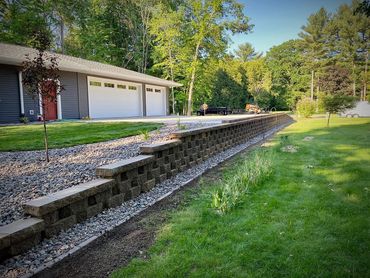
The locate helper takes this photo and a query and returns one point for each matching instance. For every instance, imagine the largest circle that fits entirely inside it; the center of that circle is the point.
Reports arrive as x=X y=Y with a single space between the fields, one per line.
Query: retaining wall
x=128 y=178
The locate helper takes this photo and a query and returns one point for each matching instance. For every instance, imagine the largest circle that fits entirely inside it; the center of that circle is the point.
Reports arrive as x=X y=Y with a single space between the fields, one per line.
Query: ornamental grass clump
x=251 y=173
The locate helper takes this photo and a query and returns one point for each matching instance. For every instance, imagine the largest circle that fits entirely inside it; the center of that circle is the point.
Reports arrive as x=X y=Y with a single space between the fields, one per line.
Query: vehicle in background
x=251 y=108
x=362 y=109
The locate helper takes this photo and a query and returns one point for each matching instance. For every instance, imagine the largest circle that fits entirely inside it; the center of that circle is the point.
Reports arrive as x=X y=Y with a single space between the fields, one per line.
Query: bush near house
x=306 y=107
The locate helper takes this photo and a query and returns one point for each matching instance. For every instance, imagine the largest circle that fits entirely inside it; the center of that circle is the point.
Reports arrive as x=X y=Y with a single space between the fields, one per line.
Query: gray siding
x=30 y=106
x=143 y=93
x=168 y=92
x=9 y=95
x=83 y=98
x=69 y=96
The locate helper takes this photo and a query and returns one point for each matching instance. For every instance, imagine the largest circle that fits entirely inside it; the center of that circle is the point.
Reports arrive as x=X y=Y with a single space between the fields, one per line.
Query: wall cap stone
x=19 y=230
x=113 y=169
x=149 y=149
x=49 y=203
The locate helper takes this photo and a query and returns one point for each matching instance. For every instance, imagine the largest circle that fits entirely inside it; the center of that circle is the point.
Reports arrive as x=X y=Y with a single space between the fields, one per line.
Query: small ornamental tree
x=336 y=104
x=40 y=77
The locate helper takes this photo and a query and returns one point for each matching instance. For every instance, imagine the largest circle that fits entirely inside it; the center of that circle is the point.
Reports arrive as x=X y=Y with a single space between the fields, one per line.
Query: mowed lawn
x=31 y=137
x=310 y=218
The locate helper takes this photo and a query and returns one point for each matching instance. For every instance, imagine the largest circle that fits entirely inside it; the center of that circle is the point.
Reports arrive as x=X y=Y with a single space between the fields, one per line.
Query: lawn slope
x=310 y=218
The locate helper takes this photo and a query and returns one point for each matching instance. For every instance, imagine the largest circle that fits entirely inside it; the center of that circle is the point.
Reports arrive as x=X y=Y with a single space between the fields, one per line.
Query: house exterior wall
x=69 y=96
x=74 y=97
x=31 y=106
x=10 y=110
x=83 y=97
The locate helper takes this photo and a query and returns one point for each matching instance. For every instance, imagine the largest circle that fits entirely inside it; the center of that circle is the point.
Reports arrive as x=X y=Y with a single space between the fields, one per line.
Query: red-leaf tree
x=40 y=77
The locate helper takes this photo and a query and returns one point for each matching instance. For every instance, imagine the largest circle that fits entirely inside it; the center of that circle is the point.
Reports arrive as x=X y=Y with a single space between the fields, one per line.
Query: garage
x=110 y=98
x=155 y=101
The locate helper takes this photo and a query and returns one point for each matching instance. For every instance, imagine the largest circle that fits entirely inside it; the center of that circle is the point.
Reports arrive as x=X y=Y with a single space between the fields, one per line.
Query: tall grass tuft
x=145 y=134
x=249 y=174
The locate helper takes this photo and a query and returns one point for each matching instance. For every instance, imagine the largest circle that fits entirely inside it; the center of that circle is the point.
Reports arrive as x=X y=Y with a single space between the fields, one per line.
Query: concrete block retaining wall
x=126 y=179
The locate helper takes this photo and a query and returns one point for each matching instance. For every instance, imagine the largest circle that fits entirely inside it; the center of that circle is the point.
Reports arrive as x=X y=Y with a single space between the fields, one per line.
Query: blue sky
x=277 y=21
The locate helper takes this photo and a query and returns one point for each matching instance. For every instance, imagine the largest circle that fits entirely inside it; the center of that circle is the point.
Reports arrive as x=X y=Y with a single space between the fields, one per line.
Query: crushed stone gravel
x=52 y=250
x=25 y=175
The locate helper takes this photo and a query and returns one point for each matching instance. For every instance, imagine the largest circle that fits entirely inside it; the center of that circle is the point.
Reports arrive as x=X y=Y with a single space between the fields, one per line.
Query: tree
x=290 y=75
x=336 y=104
x=19 y=19
x=336 y=80
x=246 y=52
x=40 y=76
x=314 y=40
x=205 y=32
x=259 y=81
x=164 y=27
x=336 y=86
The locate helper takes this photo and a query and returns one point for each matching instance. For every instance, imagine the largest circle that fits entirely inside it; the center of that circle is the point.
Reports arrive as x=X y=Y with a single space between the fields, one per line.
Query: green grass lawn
x=30 y=137
x=310 y=218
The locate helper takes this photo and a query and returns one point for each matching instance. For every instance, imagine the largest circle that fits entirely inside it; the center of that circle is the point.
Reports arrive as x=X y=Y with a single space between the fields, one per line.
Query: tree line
x=189 y=41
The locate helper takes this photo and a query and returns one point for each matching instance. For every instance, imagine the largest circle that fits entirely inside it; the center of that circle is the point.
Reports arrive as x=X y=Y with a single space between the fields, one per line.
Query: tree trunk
x=192 y=80
x=365 y=81
x=312 y=75
x=172 y=78
x=327 y=122
x=354 y=79
x=45 y=132
x=62 y=35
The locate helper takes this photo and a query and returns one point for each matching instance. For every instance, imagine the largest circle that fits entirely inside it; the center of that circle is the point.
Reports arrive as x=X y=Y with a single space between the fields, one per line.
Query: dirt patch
x=308 y=138
x=289 y=149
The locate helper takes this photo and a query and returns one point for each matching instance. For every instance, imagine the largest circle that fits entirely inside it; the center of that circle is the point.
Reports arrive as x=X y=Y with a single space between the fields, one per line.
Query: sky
x=277 y=21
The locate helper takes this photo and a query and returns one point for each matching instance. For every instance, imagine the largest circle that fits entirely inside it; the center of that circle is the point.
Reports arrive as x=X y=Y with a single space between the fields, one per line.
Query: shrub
x=251 y=173
x=24 y=120
x=306 y=107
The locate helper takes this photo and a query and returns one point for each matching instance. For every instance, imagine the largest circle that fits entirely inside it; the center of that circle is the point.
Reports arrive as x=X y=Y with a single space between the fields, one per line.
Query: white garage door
x=111 y=98
x=155 y=101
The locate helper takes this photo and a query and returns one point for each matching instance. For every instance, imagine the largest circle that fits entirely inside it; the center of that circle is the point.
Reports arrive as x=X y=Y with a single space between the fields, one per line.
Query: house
x=91 y=89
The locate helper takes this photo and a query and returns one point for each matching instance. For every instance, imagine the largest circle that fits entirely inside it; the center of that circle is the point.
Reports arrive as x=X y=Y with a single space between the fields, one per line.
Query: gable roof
x=14 y=55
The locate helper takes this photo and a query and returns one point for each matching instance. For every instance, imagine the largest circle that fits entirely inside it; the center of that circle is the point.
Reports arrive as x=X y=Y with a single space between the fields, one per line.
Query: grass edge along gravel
x=310 y=218
x=68 y=134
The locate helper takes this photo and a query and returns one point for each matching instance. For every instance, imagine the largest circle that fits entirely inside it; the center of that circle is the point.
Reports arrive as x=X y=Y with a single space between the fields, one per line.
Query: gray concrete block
x=111 y=170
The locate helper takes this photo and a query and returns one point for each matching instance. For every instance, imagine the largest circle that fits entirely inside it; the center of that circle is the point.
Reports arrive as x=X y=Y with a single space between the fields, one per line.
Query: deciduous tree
x=40 y=77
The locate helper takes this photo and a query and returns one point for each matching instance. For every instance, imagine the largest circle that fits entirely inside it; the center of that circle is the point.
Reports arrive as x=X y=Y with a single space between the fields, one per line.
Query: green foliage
x=336 y=80
x=145 y=134
x=290 y=77
x=249 y=174
x=306 y=107
x=246 y=52
x=187 y=41
x=337 y=103
x=24 y=120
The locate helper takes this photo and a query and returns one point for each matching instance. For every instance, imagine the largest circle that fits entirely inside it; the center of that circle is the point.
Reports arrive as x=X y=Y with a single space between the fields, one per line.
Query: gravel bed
x=48 y=251
x=25 y=175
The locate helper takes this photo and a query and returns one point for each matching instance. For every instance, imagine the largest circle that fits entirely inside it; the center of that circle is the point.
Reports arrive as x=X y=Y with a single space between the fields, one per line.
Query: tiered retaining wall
x=126 y=179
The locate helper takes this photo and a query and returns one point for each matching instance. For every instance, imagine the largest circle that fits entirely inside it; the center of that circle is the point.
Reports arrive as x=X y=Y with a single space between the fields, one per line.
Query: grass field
x=30 y=137
x=310 y=218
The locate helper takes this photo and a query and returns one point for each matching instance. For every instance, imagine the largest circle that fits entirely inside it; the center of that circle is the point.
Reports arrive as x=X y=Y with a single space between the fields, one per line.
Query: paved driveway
x=212 y=119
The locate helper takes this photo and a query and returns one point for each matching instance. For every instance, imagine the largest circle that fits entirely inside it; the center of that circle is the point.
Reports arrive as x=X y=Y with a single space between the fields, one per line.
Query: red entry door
x=50 y=105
